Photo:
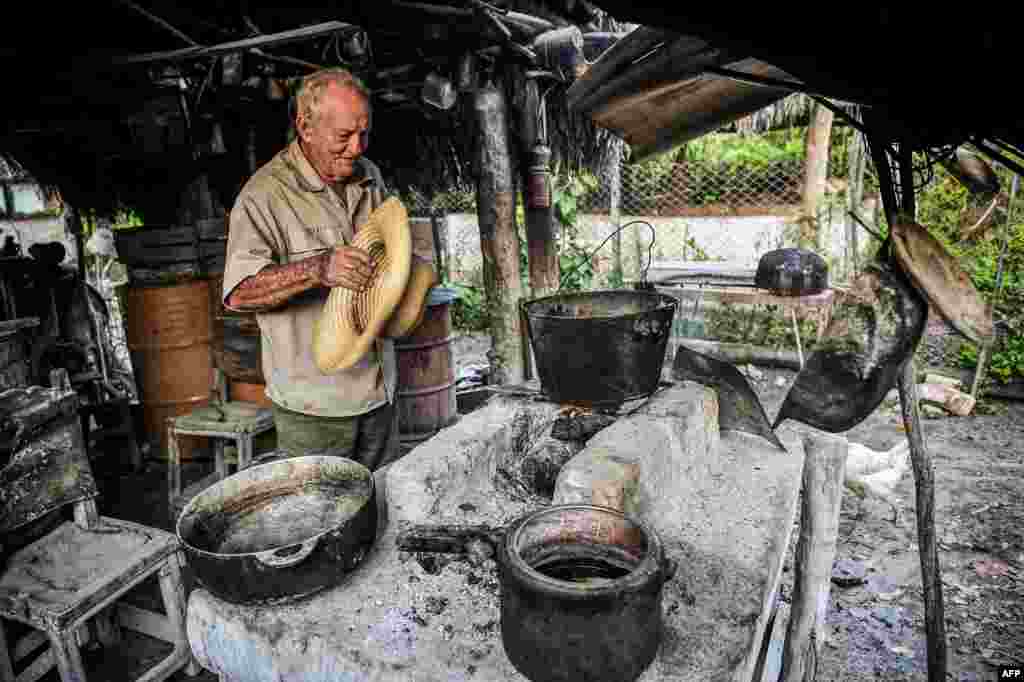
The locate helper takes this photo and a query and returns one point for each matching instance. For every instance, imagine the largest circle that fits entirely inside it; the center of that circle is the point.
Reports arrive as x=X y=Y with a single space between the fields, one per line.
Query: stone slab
x=723 y=505
x=724 y=511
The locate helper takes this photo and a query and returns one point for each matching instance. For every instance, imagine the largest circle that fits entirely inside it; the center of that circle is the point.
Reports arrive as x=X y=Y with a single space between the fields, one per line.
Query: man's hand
x=347 y=267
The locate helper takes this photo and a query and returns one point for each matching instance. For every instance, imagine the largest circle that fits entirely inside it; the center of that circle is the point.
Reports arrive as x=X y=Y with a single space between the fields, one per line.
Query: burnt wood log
x=447 y=539
x=538 y=470
x=580 y=427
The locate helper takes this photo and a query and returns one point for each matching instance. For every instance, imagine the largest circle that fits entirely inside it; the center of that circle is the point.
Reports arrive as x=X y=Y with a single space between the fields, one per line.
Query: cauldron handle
x=275 y=559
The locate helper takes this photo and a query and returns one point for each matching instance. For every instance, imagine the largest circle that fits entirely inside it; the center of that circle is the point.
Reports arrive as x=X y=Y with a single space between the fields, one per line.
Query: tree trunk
x=614 y=208
x=815 y=173
x=854 y=198
x=499 y=243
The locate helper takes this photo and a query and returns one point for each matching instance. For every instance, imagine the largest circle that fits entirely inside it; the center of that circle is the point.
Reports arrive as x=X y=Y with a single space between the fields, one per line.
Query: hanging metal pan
x=874 y=330
x=944 y=283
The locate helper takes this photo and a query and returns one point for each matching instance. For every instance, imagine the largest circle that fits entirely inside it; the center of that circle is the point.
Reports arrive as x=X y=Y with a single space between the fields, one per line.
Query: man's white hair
x=307 y=100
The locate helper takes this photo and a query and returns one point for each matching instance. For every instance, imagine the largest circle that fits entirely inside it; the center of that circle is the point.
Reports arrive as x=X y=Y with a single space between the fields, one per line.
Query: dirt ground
x=875 y=629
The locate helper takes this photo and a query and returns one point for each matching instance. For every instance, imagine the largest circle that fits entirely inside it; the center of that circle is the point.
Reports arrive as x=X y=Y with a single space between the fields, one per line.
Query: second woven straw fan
x=391 y=306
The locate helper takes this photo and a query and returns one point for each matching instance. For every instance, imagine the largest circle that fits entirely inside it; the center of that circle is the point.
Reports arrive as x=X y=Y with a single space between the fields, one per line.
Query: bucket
x=599 y=347
x=168 y=333
x=237 y=346
x=426 y=373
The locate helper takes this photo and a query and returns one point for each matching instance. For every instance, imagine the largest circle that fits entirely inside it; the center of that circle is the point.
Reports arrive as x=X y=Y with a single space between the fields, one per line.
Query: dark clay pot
x=581 y=595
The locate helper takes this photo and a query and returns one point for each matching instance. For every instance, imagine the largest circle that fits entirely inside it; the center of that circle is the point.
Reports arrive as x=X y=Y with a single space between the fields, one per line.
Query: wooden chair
x=61 y=582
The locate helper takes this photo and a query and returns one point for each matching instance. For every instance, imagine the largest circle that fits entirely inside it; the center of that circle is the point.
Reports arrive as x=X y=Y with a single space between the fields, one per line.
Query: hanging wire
x=650 y=251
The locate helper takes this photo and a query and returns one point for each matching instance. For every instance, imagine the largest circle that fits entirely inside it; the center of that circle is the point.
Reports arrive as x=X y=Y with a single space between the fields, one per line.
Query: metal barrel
x=169 y=336
x=426 y=373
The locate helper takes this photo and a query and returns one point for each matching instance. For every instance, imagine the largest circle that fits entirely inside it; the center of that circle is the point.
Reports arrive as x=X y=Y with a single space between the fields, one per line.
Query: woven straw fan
x=350 y=321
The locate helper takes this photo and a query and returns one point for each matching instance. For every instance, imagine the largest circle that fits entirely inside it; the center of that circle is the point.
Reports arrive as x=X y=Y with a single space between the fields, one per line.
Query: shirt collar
x=310 y=180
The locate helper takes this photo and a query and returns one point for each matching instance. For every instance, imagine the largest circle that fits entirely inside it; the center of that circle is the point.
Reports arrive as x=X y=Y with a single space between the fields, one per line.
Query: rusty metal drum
x=169 y=336
x=426 y=372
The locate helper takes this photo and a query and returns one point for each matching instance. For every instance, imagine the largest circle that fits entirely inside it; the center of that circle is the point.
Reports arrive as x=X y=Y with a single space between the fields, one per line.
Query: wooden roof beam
x=248 y=44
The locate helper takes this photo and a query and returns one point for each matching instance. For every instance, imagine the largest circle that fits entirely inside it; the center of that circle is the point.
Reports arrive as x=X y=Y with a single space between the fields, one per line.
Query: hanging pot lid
x=792 y=272
x=873 y=331
x=944 y=283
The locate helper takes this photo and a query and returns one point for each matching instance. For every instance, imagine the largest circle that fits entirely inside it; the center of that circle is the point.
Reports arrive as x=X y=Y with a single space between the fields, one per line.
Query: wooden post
x=499 y=243
x=815 y=173
x=614 y=208
x=541 y=243
x=854 y=196
x=821 y=499
x=924 y=491
x=924 y=479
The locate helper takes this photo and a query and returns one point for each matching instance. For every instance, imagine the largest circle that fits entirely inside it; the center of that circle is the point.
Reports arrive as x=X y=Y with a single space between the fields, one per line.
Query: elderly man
x=313 y=196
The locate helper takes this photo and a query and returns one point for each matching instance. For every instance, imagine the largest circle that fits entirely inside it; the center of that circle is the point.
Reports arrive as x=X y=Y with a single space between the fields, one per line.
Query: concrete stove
x=723 y=504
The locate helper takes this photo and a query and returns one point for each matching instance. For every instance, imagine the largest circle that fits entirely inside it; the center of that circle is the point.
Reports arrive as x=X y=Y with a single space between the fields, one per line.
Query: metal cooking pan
x=874 y=330
x=280 y=531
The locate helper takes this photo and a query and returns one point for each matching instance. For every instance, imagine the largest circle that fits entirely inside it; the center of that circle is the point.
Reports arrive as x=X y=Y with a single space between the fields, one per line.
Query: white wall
x=39 y=231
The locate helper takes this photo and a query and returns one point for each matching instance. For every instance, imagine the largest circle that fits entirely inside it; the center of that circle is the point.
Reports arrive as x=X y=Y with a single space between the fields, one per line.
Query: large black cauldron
x=599 y=347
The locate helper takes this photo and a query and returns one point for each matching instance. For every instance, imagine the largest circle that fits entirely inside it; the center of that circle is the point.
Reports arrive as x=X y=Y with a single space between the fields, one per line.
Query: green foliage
x=768 y=326
x=741 y=151
x=469 y=310
x=1005 y=364
x=575 y=265
x=943 y=207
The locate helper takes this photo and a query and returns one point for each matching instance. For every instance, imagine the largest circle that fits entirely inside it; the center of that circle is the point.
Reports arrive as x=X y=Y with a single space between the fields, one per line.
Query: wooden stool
x=230 y=421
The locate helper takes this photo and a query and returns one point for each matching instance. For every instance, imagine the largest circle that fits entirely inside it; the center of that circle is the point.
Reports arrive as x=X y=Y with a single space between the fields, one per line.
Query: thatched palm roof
x=789 y=112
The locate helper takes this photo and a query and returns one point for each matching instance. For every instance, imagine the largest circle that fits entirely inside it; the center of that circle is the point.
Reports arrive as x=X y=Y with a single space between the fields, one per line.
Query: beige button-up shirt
x=284 y=212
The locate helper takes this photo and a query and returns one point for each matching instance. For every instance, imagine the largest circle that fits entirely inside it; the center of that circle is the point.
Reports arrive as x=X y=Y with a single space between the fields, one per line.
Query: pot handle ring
x=274 y=559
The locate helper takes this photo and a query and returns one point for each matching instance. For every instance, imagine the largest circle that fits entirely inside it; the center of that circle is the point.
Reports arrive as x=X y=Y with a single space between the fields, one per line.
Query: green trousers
x=370 y=439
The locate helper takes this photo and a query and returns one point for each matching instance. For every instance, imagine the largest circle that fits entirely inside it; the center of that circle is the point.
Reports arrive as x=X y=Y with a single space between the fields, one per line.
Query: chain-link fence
x=701 y=189
x=672 y=189
x=699 y=211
